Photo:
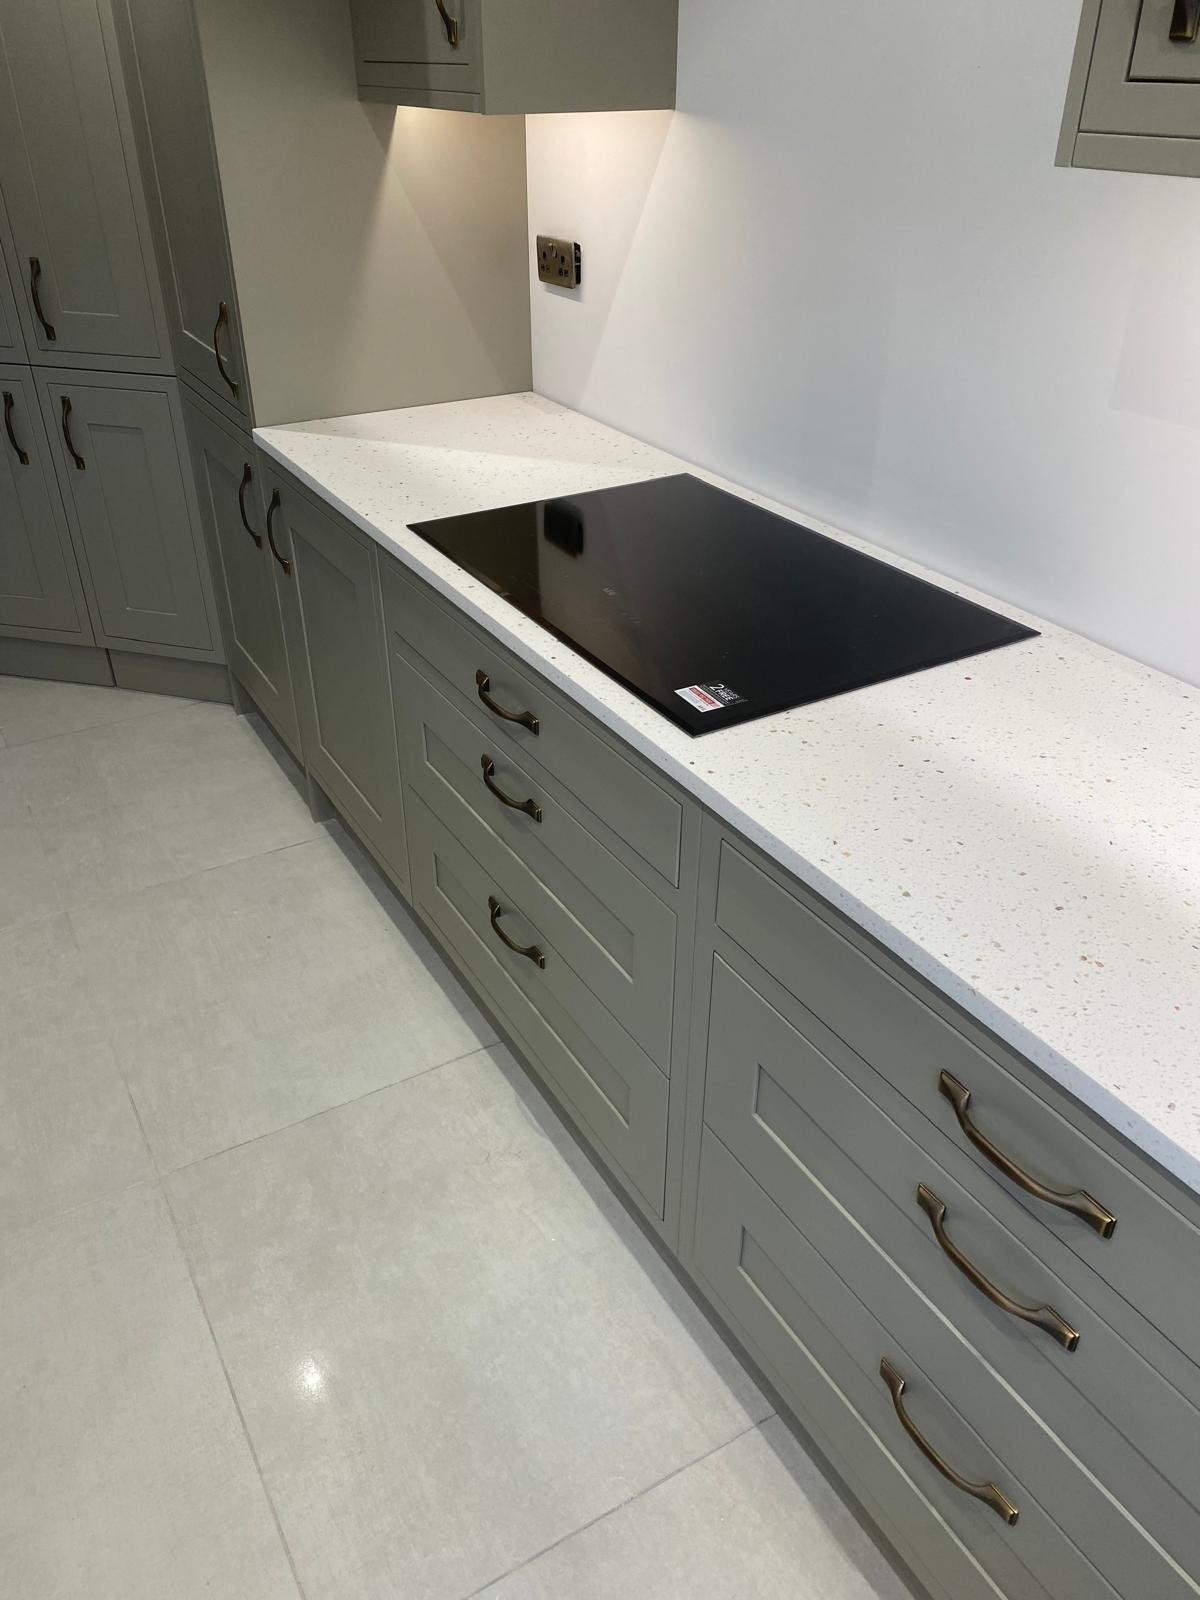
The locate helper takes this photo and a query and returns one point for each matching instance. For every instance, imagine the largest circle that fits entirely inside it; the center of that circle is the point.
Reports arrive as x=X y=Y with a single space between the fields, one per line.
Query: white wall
x=847 y=273
x=380 y=253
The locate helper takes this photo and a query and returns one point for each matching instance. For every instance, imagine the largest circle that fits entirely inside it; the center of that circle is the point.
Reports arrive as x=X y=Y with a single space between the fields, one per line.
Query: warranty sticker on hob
x=711 y=696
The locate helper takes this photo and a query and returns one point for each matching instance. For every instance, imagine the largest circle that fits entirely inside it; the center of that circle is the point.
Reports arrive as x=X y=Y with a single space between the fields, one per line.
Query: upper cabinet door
x=165 y=71
x=1134 y=101
x=72 y=198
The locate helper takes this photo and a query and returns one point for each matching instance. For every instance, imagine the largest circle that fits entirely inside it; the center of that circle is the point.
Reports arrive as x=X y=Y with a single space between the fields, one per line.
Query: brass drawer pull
x=989 y=1493
x=1077 y=1201
x=247 y=480
x=1044 y=1317
x=483 y=685
x=223 y=322
x=529 y=951
x=449 y=23
x=21 y=455
x=529 y=807
x=276 y=502
x=35 y=294
x=1185 y=21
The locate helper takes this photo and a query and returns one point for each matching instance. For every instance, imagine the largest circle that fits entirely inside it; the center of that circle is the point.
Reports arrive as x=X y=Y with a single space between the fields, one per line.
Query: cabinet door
x=122 y=463
x=40 y=592
x=1142 y=81
x=12 y=344
x=410 y=46
x=329 y=592
x=232 y=512
x=72 y=199
x=166 y=75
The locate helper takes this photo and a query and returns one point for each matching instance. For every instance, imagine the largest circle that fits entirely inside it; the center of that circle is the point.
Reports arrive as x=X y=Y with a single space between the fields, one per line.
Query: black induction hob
x=712 y=609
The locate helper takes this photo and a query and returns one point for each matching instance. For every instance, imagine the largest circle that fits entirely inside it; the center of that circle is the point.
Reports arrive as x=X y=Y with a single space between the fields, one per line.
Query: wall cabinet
x=12 y=345
x=40 y=591
x=517 y=56
x=127 y=482
x=233 y=514
x=1134 y=97
x=165 y=72
x=79 y=245
x=327 y=578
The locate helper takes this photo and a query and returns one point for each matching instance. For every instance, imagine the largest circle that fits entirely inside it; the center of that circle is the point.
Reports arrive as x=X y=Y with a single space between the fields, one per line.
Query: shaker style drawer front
x=810 y=1329
x=485 y=912
x=1145 y=70
x=517 y=707
x=617 y=934
x=789 y=1108
x=1015 y=1139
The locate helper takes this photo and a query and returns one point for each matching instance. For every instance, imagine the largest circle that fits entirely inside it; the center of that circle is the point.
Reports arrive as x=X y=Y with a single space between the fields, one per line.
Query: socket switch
x=560 y=262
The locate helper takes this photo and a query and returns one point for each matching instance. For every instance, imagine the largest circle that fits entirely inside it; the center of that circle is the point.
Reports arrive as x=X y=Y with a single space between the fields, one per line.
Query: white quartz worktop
x=1022 y=827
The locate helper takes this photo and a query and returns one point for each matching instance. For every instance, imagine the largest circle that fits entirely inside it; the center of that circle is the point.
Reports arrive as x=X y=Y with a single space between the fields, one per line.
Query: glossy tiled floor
x=303 y=1292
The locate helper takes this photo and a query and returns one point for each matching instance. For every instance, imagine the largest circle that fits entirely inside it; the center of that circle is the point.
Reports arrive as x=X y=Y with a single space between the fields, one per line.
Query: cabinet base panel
x=190 y=680
x=65 y=663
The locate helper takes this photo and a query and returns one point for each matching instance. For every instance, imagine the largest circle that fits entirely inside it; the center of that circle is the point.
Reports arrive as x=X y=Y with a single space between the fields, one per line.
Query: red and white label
x=700 y=698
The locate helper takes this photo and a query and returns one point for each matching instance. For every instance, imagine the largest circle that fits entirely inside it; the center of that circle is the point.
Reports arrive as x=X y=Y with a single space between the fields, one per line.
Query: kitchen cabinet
x=169 y=98
x=80 y=245
x=233 y=515
x=517 y=56
x=124 y=473
x=12 y=345
x=40 y=592
x=1134 y=98
x=327 y=579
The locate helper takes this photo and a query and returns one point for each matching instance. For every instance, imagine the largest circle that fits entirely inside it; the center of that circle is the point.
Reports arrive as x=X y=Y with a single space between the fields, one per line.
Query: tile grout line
x=622 y=1505
x=233 y=1395
x=313 y=1116
x=111 y=722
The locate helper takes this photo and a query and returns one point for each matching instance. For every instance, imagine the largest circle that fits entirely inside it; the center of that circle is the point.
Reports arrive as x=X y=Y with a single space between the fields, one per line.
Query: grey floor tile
x=125 y=1474
x=68 y=1131
x=153 y=798
x=755 y=1520
x=34 y=708
x=450 y=1345
x=247 y=998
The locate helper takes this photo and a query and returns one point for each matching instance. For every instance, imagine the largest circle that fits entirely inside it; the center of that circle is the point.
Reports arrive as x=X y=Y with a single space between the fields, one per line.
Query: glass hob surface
x=710 y=608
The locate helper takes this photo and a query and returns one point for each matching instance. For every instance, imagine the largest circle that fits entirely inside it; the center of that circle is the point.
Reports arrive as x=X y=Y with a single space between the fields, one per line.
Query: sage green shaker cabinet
x=40 y=592
x=12 y=345
x=327 y=579
x=233 y=514
x=169 y=97
x=1134 y=98
x=517 y=56
x=80 y=246
x=125 y=476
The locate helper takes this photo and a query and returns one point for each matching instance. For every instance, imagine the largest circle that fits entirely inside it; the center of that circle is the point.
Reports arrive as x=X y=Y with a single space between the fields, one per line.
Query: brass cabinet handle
x=1044 y=1317
x=451 y=24
x=21 y=455
x=223 y=322
x=247 y=480
x=989 y=1493
x=529 y=807
x=529 y=951
x=276 y=500
x=35 y=279
x=527 y=719
x=1077 y=1201
x=1185 y=21
x=80 y=463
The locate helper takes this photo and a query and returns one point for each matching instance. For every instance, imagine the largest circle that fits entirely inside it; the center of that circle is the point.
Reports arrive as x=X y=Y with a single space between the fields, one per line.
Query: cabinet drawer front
x=39 y=583
x=617 y=934
x=1152 y=1255
x=1142 y=82
x=131 y=494
x=639 y=810
x=808 y=1327
x=613 y=1088
x=790 y=1110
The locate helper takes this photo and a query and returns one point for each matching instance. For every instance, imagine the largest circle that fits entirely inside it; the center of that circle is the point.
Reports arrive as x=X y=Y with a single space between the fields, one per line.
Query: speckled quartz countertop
x=1023 y=828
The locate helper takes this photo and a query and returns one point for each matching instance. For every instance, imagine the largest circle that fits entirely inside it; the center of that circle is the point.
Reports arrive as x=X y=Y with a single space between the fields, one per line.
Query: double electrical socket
x=560 y=262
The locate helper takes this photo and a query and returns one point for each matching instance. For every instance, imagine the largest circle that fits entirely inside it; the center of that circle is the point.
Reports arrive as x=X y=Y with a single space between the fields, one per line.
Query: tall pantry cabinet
x=103 y=572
